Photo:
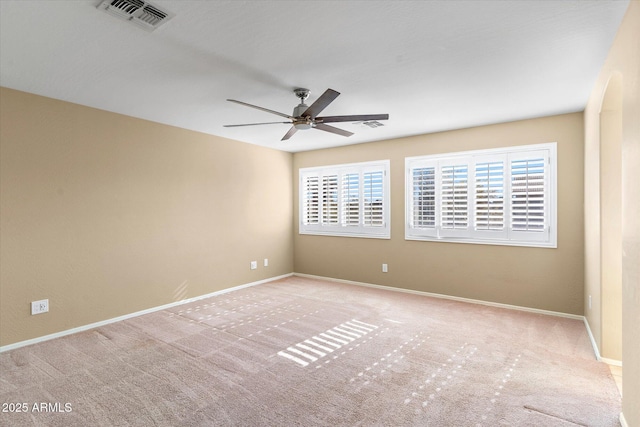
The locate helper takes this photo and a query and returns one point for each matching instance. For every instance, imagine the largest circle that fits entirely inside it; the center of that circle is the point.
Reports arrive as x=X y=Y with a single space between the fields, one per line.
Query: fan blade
x=261 y=108
x=256 y=124
x=321 y=103
x=356 y=118
x=327 y=128
x=290 y=133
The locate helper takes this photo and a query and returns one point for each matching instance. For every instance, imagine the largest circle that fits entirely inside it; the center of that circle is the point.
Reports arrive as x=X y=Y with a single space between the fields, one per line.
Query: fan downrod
x=301 y=93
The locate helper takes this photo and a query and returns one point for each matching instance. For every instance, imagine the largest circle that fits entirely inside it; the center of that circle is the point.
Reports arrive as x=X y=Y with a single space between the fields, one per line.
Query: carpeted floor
x=303 y=352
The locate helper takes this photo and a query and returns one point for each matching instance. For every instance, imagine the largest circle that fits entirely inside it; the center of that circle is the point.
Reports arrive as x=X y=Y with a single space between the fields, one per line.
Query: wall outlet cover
x=38 y=307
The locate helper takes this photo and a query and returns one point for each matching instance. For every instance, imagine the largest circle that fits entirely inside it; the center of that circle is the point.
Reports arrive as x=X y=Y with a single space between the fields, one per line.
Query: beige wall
x=623 y=60
x=106 y=215
x=611 y=219
x=548 y=279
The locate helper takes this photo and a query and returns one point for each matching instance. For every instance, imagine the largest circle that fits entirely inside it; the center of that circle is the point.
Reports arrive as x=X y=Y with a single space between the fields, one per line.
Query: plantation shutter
x=529 y=195
x=497 y=196
x=454 y=198
x=345 y=200
x=489 y=193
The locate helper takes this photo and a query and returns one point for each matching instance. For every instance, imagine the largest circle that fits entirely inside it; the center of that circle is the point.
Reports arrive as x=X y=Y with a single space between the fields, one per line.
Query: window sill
x=496 y=242
x=335 y=234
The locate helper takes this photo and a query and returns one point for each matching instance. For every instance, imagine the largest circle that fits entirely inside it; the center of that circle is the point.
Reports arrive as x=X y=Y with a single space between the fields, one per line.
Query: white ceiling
x=432 y=65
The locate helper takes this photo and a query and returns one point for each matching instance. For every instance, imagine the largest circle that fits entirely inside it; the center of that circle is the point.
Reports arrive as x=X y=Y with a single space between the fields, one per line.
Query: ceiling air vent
x=139 y=12
x=373 y=124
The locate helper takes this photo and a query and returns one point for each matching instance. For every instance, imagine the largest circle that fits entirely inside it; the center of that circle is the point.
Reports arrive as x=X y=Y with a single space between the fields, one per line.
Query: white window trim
x=340 y=229
x=505 y=237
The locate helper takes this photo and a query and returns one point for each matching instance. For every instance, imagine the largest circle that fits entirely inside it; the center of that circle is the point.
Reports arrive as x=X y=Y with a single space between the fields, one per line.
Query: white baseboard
x=623 y=421
x=137 y=313
x=613 y=362
x=606 y=360
x=594 y=345
x=449 y=297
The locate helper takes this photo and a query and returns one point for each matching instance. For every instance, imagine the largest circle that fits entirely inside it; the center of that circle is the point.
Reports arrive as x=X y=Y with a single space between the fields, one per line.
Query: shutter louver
x=528 y=195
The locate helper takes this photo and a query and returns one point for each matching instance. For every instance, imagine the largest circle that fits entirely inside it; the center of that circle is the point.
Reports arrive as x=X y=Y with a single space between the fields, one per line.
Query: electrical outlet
x=385 y=268
x=266 y=262
x=38 y=307
x=254 y=265
x=589 y=302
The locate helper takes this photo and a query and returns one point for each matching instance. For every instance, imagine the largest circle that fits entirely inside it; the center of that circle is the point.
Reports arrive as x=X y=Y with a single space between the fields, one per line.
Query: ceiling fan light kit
x=306 y=117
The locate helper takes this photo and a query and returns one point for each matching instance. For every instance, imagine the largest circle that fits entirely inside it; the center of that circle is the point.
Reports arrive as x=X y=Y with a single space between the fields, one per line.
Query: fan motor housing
x=297 y=111
x=300 y=122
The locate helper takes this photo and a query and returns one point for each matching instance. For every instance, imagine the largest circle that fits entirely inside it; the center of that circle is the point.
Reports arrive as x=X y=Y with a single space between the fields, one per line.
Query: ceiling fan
x=306 y=116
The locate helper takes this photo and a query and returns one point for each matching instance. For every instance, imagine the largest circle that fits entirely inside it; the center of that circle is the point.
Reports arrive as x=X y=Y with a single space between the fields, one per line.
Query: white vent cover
x=139 y=12
x=373 y=124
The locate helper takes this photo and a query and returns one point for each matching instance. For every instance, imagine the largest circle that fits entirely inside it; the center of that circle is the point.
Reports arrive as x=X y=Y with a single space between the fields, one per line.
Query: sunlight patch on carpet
x=329 y=340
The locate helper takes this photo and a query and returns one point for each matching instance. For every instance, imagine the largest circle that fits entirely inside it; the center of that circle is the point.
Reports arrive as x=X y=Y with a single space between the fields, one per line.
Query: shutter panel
x=311 y=206
x=421 y=198
x=489 y=204
x=330 y=200
x=373 y=194
x=529 y=196
x=423 y=204
x=454 y=199
x=351 y=199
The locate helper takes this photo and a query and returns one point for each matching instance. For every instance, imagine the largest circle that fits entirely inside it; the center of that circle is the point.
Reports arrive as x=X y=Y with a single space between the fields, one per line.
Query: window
x=503 y=196
x=345 y=200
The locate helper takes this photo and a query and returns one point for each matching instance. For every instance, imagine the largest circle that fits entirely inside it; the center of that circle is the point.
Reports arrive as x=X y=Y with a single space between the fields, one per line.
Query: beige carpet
x=302 y=352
